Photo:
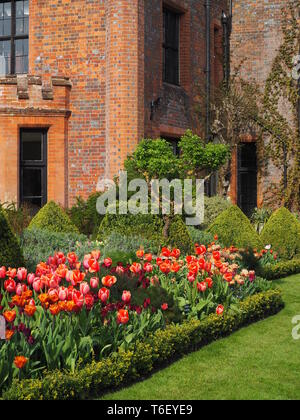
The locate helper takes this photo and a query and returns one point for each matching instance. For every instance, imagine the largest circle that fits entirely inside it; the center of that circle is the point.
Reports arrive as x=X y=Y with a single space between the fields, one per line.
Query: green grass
x=261 y=361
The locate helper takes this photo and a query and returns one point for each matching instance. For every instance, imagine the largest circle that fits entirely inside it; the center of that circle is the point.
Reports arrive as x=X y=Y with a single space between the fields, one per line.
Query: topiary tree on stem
x=155 y=159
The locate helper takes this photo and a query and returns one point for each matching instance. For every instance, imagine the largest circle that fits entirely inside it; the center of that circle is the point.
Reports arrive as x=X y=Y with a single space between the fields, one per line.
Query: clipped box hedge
x=160 y=348
x=281 y=269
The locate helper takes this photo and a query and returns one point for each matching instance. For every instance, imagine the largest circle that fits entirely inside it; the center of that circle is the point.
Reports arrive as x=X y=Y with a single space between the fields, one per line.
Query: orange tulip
x=30 y=310
x=20 y=361
x=9 y=334
x=10 y=316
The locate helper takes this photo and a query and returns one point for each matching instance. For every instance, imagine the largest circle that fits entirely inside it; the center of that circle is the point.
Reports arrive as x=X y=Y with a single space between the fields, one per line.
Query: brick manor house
x=82 y=81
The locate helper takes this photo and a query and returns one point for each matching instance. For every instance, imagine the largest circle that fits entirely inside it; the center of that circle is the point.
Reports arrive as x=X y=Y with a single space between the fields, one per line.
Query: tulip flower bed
x=69 y=314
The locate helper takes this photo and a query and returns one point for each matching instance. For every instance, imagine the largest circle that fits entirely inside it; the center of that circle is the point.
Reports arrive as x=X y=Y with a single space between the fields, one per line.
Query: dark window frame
x=169 y=46
x=35 y=164
x=250 y=169
x=14 y=37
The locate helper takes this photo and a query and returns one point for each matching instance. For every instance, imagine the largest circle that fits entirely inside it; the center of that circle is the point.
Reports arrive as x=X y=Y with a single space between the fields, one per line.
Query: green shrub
x=84 y=215
x=39 y=244
x=281 y=270
x=147 y=226
x=282 y=231
x=234 y=228
x=18 y=217
x=10 y=251
x=179 y=236
x=200 y=237
x=53 y=218
x=158 y=349
x=127 y=244
x=213 y=206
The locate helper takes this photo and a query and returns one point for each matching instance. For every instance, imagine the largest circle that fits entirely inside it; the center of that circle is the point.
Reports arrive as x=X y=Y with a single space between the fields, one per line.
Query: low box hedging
x=160 y=348
x=281 y=269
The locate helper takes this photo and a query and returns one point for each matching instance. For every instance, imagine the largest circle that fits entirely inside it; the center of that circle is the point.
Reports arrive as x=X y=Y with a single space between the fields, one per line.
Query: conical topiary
x=10 y=251
x=282 y=231
x=179 y=235
x=234 y=228
x=53 y=218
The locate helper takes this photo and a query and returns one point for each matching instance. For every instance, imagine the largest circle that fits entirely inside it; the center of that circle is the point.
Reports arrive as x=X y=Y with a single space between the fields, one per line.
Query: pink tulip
x=53 y=283
x=37 y=285
x=86 y=261
x=30 y=278
x=107 y=262
x=120 y=270
x=62 y=294
x=20 y=289
x=126 y=297
x=84 y=288
x=22 y=274
x=94 y=282
x=96 y=254
x=2 y=272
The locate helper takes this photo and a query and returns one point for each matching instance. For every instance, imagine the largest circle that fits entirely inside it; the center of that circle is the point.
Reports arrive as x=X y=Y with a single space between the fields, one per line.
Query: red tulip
x=103 y=294
x=201 y=250
x=228 y=277
x=109 y=281
x=148 y=257
x=148 y=267
x=10 y=285
x=93 y=266
x=165 y=252
x=136 y=268
x=202 y=287
x=164 y=306
x=175 y=253
x=220 y=310
x=140 y=253
x=123 y=316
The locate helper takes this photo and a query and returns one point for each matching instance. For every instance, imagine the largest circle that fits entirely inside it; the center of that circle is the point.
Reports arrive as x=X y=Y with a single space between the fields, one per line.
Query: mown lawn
x=261 y=361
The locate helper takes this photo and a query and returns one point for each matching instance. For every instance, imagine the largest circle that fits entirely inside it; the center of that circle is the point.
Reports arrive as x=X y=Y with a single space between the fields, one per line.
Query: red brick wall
x=111 y=51
x=68 y=37
x=255 y=39
x=176 y=112
x=33 y=112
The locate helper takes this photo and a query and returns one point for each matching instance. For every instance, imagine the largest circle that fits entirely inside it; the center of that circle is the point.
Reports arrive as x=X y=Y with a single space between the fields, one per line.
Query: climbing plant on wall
x=268 y=113
x=281 y=111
